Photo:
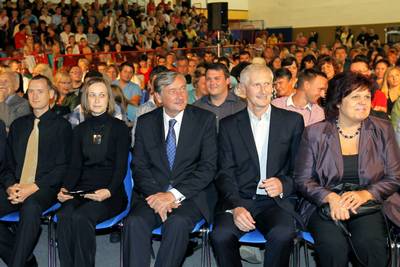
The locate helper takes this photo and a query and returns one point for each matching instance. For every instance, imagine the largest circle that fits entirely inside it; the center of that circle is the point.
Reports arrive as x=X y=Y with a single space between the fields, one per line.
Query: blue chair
x=114 y=221
x=201 y=228
x=305 y=239
x=13 y=217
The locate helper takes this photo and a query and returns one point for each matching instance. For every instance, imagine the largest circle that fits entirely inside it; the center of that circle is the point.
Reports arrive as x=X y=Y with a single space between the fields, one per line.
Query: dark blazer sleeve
x=206 y=167
x=9 y=179
x=225 y=179
x=287 y=177
x=55 y=177
x=145 y=183
x=306 y=161
x=3 y=142
x=390 y=182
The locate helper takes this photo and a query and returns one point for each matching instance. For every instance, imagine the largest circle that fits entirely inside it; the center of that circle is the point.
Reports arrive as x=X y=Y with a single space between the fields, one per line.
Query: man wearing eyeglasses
x=257 y=147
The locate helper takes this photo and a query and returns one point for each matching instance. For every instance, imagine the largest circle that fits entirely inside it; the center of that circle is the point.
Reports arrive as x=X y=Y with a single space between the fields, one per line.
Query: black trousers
x=368 y=237
x=175 y=235
x=76 y=228
x=15 y=248
x=275 y=224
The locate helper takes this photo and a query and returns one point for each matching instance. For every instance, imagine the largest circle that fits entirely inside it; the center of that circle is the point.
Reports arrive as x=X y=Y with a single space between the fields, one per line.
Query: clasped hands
x=17 y=193
x=162 y=203
x=243 y=218
x=98 y=195
x=342 y=205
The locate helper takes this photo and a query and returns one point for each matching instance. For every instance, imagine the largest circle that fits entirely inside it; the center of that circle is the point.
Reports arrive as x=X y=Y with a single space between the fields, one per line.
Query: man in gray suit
x=12 y=106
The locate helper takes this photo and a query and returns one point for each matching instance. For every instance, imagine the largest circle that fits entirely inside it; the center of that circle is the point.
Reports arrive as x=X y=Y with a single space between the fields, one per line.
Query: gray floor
x=108 y=254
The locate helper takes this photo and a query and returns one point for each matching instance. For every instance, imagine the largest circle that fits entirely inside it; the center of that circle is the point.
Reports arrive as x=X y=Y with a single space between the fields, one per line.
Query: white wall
x=232 y=4
x=311 y=13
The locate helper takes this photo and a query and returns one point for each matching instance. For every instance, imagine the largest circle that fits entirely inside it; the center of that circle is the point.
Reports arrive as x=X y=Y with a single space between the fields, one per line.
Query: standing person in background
x=220 y=100
x=132 y=91
x=311 y=85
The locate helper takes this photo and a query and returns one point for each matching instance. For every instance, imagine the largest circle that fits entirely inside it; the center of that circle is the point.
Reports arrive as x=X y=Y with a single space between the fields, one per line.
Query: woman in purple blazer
x=349 y=147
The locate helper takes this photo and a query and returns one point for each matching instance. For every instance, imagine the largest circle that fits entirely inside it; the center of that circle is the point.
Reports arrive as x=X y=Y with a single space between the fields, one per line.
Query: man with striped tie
x=174 y=163
x=37 y=155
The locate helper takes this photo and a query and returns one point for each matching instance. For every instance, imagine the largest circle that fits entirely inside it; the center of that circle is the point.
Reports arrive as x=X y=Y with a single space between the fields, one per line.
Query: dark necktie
x=171 y=143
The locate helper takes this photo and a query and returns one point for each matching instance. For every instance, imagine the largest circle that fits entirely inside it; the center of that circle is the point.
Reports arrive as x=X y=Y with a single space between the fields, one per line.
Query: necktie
x=31 y=156
x=171 y=143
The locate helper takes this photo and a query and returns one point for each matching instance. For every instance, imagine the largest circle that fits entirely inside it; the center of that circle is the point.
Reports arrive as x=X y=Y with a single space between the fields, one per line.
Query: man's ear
x=158 y=98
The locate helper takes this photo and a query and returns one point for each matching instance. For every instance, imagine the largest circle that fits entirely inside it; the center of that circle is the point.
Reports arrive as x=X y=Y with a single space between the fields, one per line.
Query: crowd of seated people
x=214 y=138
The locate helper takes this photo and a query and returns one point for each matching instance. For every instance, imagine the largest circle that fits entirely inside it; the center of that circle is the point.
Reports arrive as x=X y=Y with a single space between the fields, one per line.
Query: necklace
x=345 y=135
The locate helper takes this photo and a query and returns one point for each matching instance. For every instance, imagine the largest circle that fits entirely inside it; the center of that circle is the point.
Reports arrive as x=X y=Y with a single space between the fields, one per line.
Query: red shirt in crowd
x=20 y=39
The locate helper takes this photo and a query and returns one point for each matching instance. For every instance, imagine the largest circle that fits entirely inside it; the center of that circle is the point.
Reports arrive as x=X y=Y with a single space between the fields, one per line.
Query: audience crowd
x=211 y=137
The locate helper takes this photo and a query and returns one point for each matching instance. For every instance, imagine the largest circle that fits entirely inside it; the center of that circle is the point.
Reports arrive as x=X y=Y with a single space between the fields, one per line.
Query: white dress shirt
x=260 y=129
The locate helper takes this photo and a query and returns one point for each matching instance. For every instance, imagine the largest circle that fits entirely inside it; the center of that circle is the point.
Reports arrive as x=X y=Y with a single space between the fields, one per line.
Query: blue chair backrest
x=128 y=181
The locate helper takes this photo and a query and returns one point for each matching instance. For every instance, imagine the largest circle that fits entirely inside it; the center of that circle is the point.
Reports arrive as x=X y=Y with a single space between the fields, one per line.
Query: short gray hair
x=164 y=79
x=254 y=68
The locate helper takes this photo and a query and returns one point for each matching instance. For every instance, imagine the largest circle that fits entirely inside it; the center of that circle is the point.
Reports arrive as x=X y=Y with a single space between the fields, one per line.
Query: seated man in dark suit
x=174 y=163
x=12 y=106
x=3 y=140
x=37 y=155
x=257 y=147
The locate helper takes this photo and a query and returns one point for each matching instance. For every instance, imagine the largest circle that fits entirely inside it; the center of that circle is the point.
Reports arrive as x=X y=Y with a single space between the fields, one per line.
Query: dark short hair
x=219 y=67
x=307 y=58
x=340 y=86
x=384 y=61
x=324 y=59
x=143 y=57
x=42 y=77
x=126 y=64
x=288 y=61
x=223 y=59
x=282 y=73
x=157 y=70
x=308 y=76
x=361 y=59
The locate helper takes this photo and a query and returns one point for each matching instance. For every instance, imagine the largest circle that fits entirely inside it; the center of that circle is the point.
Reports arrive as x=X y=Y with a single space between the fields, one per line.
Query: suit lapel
x=365 y=143
x=273 y=139
x=159 y=134
x=333 y=144
x=246 y=134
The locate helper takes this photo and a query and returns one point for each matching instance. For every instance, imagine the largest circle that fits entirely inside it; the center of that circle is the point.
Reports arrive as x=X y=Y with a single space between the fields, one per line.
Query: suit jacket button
x=254 y=197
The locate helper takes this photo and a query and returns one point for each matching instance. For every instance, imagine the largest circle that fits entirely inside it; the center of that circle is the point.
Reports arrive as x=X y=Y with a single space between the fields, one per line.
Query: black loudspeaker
x=217 y=16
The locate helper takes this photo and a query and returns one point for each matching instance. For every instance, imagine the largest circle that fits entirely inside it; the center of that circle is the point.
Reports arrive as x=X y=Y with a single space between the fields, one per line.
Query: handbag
x=368 y=208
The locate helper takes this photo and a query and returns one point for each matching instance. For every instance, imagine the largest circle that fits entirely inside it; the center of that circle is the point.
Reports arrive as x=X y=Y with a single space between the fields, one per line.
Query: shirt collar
x=229 y=98
x=178 y=117
x=264 y=117
x=9 y=98
x=289 y=102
